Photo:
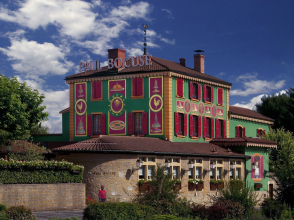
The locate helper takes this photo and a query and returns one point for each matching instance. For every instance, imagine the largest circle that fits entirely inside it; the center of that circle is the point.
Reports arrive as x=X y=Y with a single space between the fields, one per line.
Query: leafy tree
x=280 y=108
x=39 y=129
x=282 y=164
x=162 y=196
x=20 y=109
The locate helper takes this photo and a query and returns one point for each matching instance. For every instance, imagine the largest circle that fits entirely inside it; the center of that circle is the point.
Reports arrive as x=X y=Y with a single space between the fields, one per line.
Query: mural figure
x=155 y=125
x=80 y=128
x=256 y=172
x=155 y=87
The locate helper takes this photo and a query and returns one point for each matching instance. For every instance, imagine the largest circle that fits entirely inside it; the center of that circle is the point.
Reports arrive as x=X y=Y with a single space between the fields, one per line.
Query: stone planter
x=143 y=186
x=200 y=186
x=191 y=186
x=177 y=186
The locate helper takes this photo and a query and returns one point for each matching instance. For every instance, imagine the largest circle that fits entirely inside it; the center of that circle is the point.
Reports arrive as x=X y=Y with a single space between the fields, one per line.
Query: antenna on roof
x=145 y=44
x=198 y=51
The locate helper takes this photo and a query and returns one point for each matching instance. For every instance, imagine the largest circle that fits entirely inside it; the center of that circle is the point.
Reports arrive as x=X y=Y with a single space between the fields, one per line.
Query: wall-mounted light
x=232 y=165
x=167 y=163
x=190 y=164
x=212 y=165
x=139 y=163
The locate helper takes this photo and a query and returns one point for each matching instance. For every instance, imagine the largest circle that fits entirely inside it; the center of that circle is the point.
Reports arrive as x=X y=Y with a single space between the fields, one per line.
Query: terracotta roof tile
x=158 y=64
x=247 y=112
x=243 y=141
x=148 y=145
x=64 y=111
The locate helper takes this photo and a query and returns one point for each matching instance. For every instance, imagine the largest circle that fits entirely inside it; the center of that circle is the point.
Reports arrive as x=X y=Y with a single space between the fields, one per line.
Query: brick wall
x=41 y=197
x=114 y=171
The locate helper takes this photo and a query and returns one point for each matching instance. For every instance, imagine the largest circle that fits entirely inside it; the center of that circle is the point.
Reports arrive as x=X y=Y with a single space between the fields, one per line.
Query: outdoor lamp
x=212 y=165
x=190 y=164
x=232 y=165
x=167 y=163
x=139 y=163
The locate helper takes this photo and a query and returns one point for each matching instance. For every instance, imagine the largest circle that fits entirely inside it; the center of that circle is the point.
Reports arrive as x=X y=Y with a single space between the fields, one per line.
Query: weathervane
x=145 y=44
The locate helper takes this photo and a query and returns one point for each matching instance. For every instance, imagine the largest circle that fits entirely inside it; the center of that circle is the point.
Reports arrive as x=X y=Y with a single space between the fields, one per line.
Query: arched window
x=240 y=131
x=260 y=132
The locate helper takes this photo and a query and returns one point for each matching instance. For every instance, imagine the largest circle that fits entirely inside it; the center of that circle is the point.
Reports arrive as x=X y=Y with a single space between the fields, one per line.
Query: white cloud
x=73 y=18
x=168 y=41
x=137 y=10
x=55 y=126
x=257 y=99
x=34 y=59
x=169 y=13
x=254 y=86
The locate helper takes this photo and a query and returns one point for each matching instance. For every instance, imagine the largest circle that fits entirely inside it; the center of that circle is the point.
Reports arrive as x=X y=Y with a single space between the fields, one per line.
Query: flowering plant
x=216 y=181
x=90 y=201
x=141 y=181
x=178 y=180
x=3 y=163
x=195 y=181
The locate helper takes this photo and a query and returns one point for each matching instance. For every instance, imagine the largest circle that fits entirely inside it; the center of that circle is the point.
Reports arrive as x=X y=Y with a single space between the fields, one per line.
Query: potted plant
x=195 y=184
x=213 y=184
x=178 y=184
x=143 y=185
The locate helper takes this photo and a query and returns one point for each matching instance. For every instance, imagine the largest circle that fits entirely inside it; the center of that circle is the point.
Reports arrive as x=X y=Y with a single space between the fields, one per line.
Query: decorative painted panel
x=220 y=112
x=80 y=109
x=194 y=107
x=155 y=106
x=180 y=105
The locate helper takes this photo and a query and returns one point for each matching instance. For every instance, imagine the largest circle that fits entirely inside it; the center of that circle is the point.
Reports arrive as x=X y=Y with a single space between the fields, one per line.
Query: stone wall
x=41 y=197
x=114 y=171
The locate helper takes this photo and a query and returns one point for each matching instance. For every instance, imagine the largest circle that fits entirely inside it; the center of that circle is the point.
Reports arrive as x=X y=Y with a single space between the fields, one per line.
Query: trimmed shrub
x=122 y=210
x=3 y=207
x=234 y=209
x=20 y=212
x=199 y=211
x=164 y=217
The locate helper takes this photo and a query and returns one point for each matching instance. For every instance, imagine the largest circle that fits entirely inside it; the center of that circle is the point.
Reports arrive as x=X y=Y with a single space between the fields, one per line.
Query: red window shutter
x=199 y=126
x=103 y=124
x=185 y=124
x=191 y=89
x=199 y=91
x=204 y=127
x=217 y=128
x=221 y=97
x=263 y=132
x=219 y=94
x=130 y=123
x=204 y=93
x=90 y=125
x=176 y=123
x=252 y=171
x=258 y=133
x=191 y=125
x=244 y=133
x=134 y=84
x=212 y=128
x=212 y=94
x=144 y=122
x=261 y=167
x=180 y=87
x=98 y=90
x=224 y=129
x=93 y=90
x=237 y=131
x=139 y=87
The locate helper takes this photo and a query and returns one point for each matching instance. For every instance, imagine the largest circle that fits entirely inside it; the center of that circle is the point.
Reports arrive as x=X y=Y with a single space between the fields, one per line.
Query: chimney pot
x=199 y=62
x=114 y=54
x=183 y=61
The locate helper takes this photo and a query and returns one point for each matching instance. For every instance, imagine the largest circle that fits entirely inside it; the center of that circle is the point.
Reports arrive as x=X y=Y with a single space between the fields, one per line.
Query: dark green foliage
x=3 y=207
x=162 y=197
x=20 y=212
x=164 y=217
x=234 y=209
x=239 y=192
x=20 y=108
x=69 y=218
x=272 y=208
x=280 y=108
x=120 y=211
x=282 y=164
x=4 y=216
x=18 y=176
x=214 y=212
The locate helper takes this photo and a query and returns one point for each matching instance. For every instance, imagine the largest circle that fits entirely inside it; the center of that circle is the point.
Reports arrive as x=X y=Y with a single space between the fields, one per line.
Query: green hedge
x=24 y=176
x=121 y=211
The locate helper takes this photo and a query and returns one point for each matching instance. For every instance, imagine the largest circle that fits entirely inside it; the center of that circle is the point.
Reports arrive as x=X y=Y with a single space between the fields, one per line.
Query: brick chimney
x=199 y=62
x=116 y=59
x=183 y=61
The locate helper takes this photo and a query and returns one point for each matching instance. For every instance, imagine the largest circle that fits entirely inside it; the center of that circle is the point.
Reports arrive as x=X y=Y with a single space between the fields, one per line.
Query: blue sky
x=248 y=43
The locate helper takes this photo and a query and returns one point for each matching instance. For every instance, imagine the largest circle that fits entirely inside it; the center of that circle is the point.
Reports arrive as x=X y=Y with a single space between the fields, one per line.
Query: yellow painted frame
x=149 y=122
x=75 y=92
x=86 y=127
x=161 y=84
x=125 y=126
x=75 y=113
x=118 y=80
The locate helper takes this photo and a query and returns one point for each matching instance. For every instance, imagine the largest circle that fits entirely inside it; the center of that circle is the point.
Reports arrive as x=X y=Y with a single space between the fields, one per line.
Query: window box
x=143 y=186
x=193 y=186
x=213 y=186
x=216 y=184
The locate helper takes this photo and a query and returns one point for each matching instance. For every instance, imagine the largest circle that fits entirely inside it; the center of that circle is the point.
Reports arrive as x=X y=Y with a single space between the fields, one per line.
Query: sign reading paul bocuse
x=144 y=60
